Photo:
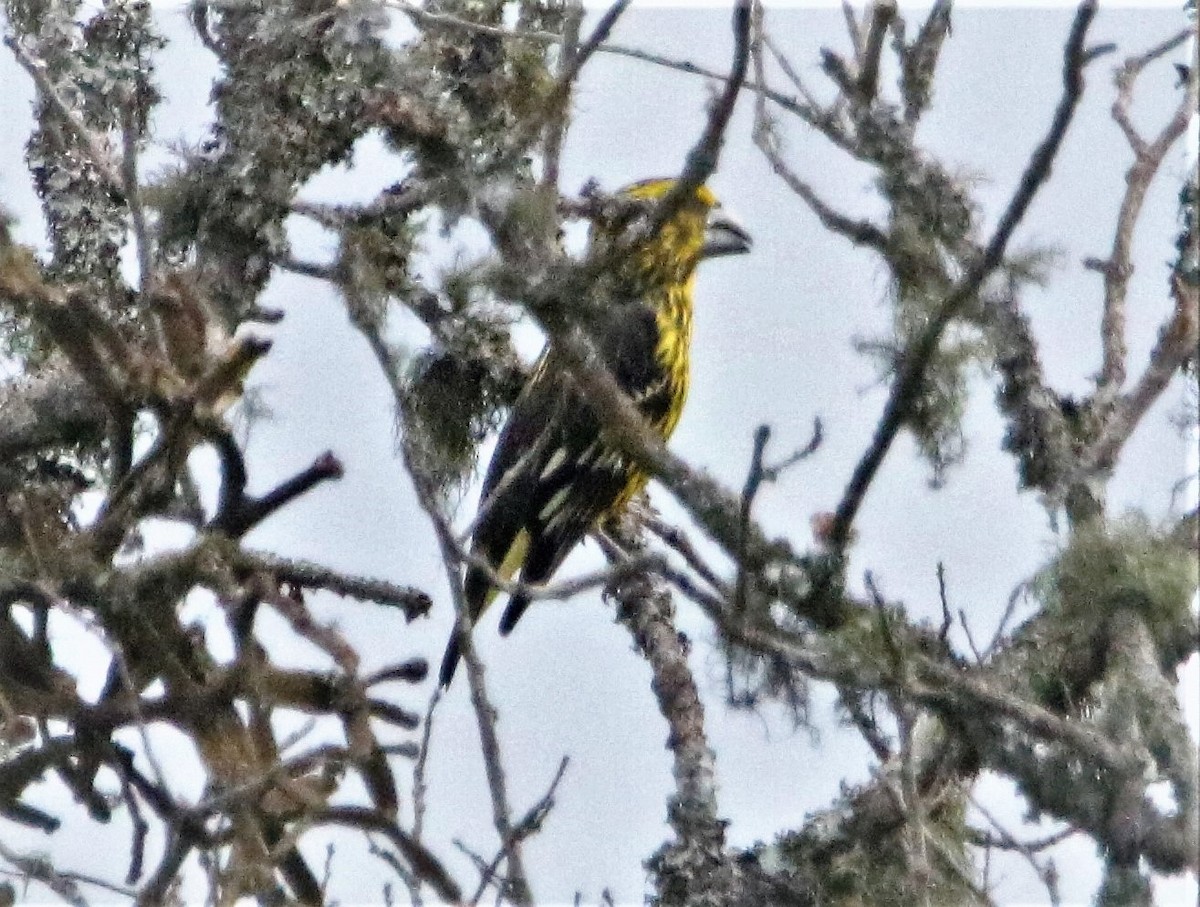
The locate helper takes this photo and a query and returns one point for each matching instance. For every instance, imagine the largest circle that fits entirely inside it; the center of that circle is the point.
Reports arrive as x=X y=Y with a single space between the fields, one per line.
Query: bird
x=554 y=476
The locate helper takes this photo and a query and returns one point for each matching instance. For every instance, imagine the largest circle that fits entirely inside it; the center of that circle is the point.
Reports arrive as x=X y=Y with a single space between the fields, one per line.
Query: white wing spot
x=555 y=502
x=556 y=460
x=560 y=518
x=609 y=460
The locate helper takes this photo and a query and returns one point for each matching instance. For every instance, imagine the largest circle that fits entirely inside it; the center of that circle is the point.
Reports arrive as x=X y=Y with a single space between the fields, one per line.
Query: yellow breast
x=674 y=319
x=673 y=351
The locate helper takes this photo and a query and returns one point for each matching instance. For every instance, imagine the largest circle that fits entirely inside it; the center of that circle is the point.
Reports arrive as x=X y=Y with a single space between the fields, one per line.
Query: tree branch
x=910 y=377
x=1148 y=157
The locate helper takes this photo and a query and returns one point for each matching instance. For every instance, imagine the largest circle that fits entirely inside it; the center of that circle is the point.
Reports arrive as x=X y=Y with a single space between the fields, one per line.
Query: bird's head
x=700 y=228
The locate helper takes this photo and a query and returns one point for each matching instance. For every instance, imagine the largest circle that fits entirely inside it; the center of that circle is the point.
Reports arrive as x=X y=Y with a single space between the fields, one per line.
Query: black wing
x=582 y=475
x=552 y=476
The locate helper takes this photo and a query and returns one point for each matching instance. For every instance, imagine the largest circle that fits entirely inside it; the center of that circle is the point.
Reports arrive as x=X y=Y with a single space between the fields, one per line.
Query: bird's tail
x=516 y=607
x=508 y=620
x=450 y=660
x=478 y=593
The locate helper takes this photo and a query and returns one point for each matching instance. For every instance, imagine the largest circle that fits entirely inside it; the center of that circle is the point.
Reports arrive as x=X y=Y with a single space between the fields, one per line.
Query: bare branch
x=1176 y=344
x=1126 y=76
x=882 y=13
x=676 y=539
x=861 y=232
x=485 y=713
x=311 y=269
x=1148 y=157
x=918 y=61
x=853 y=30
x=246 y=513
x=594 y=42
x=412 y=602
x=422 y=861
x=702 y=158
x=753 y=480
x=530 y=824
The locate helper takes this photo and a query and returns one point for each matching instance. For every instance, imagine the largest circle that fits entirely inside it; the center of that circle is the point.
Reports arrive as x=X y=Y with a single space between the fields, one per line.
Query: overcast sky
x=774 y=333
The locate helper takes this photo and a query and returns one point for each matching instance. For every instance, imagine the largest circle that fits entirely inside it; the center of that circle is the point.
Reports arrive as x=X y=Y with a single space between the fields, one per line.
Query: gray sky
x=773 y=344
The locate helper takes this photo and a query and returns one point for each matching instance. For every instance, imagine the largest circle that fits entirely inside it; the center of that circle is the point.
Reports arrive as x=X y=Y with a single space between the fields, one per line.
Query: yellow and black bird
x=554 y=475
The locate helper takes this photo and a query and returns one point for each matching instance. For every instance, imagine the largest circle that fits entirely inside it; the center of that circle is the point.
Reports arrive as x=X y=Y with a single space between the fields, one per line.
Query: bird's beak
x=724 y=236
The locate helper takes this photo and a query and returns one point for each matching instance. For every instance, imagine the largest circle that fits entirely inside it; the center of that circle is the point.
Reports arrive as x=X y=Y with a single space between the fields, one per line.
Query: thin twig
x=690 y=589
x=552 y=591
x=1176 y=343
x=426 y=17
x=1148 y=157
x=556 y=130
x=485 y=713
x=947 y=618
x=1005 y=618
x=754 y=477
x=859 y=232
x=419 y=784
x=918 y=61
x=304 y=268
x=422 y=861
x=810 y=111
x=62 y=882
x=559 y=93
x=962 y=619
x=774 y=471
x=546 y=37
x=1047 y=874
x=530 y=824
x=883 y=12
x=1125 y=77
x=702 y=159
x=867 y=726
x=676 y=539
x=853 y=30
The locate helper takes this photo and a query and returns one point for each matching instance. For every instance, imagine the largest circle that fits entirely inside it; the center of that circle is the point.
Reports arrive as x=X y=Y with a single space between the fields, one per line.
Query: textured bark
x=52 y=407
